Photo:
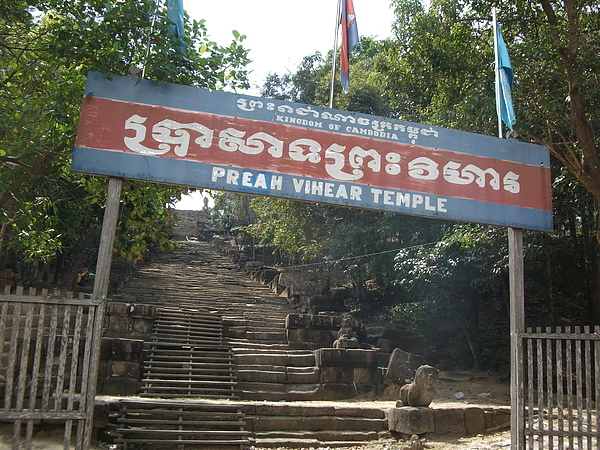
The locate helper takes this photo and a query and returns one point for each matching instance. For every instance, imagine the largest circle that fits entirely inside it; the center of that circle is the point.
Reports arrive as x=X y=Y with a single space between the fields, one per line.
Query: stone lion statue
x=421 y=391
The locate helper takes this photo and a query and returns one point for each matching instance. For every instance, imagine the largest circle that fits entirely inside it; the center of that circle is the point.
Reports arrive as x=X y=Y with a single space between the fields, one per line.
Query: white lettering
x=376 y=193
x=217 y=173
x=328 y=189
x=232 y=176
x=298 y=184
x=261 y=181
x=341 y=192
x=388 y=198
x=317 y=188
x=417 y=200
x=441 y=204
x=428 y=205
x=355 y=193
x=247 y=179
x=276 y=182
x=406 y=200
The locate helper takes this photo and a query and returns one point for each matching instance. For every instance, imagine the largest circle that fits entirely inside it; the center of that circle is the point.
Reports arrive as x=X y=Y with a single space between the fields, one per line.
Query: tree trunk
x=470 y=329
x=79 y=253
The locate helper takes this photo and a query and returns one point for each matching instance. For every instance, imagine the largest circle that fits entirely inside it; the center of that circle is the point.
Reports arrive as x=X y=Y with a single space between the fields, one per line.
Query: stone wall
x=126 y=327
x=193 y=224
x=311 y=331
x=350 y=372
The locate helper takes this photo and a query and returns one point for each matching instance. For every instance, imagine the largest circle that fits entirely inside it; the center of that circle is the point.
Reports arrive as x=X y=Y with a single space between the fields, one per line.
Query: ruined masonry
x=200 y=355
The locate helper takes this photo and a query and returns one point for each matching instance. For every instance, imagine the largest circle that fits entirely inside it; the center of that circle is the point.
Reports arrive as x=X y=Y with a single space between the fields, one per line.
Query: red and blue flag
x=349 y=41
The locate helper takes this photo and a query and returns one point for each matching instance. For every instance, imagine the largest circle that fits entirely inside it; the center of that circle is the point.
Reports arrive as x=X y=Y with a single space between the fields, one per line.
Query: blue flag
x=506 y=82
x=349 y=41
x=177 y=28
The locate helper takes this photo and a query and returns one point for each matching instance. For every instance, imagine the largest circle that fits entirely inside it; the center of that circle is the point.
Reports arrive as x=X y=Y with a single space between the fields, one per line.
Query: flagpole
x=149 y=43
x=516 y=277
x=335 y=45
x=497 y=74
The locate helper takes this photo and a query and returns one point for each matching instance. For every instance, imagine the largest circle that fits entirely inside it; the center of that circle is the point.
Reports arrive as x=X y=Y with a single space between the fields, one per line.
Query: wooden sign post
x=101 y=280
x=517 y=326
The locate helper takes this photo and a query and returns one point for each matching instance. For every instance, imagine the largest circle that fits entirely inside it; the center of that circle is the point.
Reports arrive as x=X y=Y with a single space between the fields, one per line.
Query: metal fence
x=48 y=363
x=561 y=388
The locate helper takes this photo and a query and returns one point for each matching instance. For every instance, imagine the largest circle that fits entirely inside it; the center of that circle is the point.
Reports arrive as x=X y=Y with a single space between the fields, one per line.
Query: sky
x=280 y=33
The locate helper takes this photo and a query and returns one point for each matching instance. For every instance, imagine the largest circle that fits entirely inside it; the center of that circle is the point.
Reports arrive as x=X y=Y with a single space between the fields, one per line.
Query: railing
x=49 y=359
x=562 y=387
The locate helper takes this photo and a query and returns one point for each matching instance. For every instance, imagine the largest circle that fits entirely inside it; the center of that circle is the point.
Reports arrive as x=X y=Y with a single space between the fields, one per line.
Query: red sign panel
x=282 y=152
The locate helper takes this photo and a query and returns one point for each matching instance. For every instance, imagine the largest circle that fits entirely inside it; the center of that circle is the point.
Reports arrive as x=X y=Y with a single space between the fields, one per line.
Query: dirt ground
x=460 y=389
x=454 y=389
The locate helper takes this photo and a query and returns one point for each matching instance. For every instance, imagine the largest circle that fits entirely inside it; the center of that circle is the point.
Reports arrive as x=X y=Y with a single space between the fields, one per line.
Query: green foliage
x=232 y=211
x=46 y=49
x=451 y=280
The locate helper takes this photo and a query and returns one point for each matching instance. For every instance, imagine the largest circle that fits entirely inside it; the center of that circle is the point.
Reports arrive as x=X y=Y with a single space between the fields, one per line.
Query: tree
x=440 y=69
x=46 y=48
x=448 y=283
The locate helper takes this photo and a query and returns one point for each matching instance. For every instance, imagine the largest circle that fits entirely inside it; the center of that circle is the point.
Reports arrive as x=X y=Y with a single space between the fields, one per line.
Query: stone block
x=336 y=375
x=336 y=323
x=411 y=420
x=450 y=421
x=367 y=375
x=297 y=321
x=497 y=418
x=143 y=326
x=105 y=349
x=119 y=323
x=127 y=350
x=124 y=369
x=121 y=386
x=324 y=338
x=331 y=357
x=337 y=391
x=306 y=360
x=367 y=391
x=362 y=358
x=101 y=414
x=402 y=366
x=320 y=322
x=142 y=311
x=299 y=335
x=475 y=421
x=117 y=309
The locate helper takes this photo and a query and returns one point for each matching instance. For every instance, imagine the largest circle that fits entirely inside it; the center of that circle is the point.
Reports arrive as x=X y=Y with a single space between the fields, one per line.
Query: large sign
x=166 y=133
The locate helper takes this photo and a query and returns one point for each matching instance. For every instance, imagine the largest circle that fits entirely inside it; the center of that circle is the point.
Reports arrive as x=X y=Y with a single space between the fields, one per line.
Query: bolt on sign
x=166 y=133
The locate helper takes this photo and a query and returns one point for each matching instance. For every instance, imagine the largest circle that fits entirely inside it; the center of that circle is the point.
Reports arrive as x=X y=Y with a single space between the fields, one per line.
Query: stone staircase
x=188 y=357
x=302 y=425
x=207 y=308
x=180 y=424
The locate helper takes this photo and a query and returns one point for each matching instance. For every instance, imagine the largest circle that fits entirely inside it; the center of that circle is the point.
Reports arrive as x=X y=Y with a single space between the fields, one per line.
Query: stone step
x=278 y=376
x=171 y=424
x=274 y=359
x=198 y=365
x=319 y=423
x=249 y=346
x=314 y=439
x=287 y=396
x=187 y=356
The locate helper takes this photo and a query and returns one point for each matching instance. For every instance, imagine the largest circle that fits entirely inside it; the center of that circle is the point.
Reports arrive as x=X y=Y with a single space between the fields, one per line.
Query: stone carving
x=420 y=392
x=347 y=337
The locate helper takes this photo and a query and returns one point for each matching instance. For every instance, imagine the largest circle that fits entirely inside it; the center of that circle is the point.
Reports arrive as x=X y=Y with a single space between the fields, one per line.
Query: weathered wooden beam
x=517 y=327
